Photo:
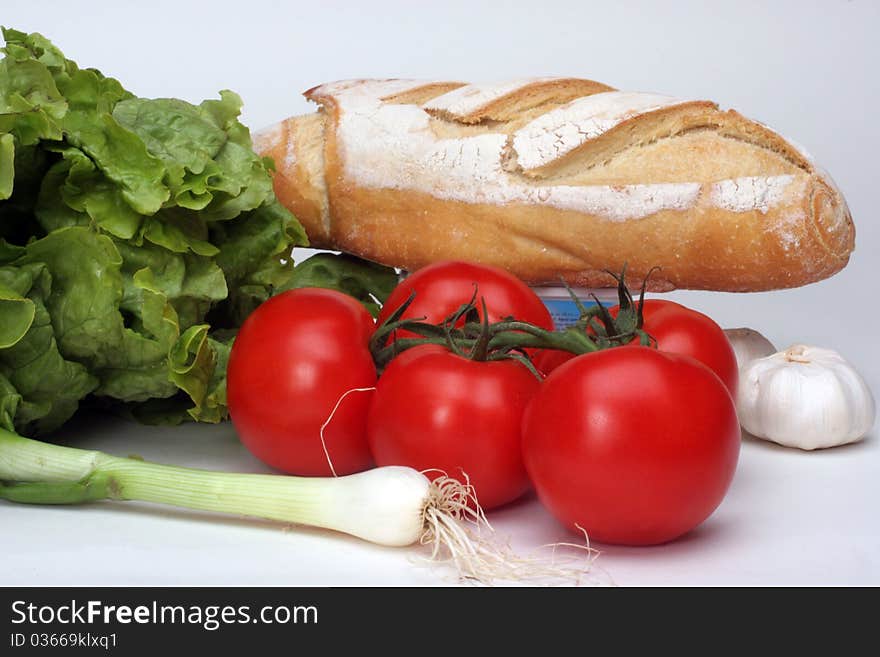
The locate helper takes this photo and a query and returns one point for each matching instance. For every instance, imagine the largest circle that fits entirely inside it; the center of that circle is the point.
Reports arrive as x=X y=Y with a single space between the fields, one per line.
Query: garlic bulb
x=805 y=397
x=748 y=345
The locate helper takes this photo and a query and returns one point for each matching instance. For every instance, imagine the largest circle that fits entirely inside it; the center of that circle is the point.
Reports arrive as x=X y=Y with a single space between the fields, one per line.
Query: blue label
x=564 y=311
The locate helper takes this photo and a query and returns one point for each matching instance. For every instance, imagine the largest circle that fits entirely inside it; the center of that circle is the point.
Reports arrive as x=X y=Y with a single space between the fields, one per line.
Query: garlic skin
x=805 y=397
x=748 y=345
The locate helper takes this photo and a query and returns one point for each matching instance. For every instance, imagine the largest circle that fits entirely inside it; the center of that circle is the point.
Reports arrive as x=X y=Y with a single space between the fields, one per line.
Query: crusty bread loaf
x=558 y=178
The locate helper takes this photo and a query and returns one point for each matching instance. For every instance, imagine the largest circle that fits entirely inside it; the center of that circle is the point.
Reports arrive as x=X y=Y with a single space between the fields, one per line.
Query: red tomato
x=682 y=330
x=434 y=409
x=634 y=445
x=292 y=360
x=547 y=360
x=678 y=330
x=441 y=288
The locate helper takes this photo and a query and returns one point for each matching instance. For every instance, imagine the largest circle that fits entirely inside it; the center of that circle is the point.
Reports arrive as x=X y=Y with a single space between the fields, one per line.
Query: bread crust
x=714 y=249
x=409 y=203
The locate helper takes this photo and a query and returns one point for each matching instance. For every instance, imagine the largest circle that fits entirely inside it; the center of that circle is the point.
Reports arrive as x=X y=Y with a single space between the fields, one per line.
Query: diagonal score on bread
x=558 y=178
x=507 y=101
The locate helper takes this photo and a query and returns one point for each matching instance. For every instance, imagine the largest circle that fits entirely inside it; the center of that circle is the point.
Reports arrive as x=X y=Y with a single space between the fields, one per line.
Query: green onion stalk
x=387 y=506
x=392 y=505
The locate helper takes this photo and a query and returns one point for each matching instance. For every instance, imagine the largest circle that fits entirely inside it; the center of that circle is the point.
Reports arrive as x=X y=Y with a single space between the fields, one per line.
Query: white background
x=805 y=68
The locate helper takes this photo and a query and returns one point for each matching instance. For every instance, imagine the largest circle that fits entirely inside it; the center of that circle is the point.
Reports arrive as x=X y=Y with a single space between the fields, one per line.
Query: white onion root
x=458 y=533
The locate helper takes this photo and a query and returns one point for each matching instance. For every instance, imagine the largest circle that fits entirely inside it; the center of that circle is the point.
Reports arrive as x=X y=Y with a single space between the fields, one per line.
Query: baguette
x=558 y=178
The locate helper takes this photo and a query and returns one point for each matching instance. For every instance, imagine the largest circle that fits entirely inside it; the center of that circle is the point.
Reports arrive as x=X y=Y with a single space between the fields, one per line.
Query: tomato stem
x=470 y=334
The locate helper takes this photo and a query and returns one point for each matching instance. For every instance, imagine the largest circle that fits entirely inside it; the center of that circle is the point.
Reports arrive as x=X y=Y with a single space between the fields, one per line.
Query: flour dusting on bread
x=391 y=146
x=265 y=139
x=560 y=131
x=750 y=193
x=474 y=97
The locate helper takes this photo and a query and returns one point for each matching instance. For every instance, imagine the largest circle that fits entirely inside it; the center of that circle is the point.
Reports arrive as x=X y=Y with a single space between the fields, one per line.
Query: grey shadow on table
x=861 y=444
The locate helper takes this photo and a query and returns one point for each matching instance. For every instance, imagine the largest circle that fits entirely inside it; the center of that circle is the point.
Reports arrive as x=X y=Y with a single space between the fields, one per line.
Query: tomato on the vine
x=294 y=358
x=682 y=330
x=547 y=360
x=633 y=445
x=679 y=330
x=435 y=410
x=441 y=288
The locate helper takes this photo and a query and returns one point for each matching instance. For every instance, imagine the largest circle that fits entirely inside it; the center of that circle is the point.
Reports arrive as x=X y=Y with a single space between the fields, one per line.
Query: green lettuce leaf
x=135 y=236
x=39 y=388
x=255 y=256
x=9 y=401
x=17 y=313
x=198 y=367
x=367 y=282
x=30 y=102
x=7 y=165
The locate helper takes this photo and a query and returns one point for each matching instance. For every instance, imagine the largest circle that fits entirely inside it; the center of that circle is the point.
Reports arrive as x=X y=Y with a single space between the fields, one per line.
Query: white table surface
x=790 y=517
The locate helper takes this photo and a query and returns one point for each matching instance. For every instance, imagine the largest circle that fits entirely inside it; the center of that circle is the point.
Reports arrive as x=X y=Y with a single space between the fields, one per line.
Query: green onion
x=392 y=505
x=387 y=505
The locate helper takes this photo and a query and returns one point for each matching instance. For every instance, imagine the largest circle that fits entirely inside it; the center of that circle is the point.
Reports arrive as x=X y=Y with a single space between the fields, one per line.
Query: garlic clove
x=805 y=397
x=748 y=345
